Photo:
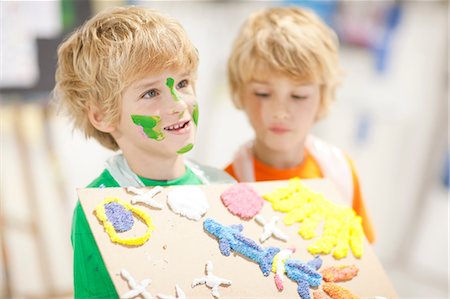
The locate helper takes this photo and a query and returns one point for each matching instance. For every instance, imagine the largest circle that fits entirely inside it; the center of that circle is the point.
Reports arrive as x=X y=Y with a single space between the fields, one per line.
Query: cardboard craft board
x=179 y=248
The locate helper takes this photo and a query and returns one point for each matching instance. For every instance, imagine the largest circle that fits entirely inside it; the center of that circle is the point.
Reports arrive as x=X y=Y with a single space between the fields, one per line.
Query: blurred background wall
x=391 y=116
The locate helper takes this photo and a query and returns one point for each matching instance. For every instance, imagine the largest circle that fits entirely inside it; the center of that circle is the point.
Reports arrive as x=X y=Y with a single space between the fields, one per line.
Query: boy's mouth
x=180 y=127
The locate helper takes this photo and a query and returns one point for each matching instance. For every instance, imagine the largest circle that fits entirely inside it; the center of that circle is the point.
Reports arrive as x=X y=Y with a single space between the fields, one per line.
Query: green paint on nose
x=185 y=149
x=170 y=82
x=195 y=114
x=149 y=123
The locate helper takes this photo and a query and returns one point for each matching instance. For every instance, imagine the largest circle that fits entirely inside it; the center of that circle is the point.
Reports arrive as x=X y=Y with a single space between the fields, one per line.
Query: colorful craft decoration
x=278 y=266
x=137 y=289
x=121 y=218
x=270 y=229
x=188 y=201
x=320 y=294
x=342 y=227
x=141 y=196
x=101 y=214
x=230 y=238
x=331 y=290
x=178 y=290
x=336 y=291
x=242 y=200
x=339 y=273
x=211 y=281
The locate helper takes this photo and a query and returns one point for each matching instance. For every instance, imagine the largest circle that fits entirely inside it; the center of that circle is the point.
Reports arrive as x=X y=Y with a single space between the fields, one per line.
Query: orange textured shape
x=337 y=292
x=319 y=294
x=339 y=273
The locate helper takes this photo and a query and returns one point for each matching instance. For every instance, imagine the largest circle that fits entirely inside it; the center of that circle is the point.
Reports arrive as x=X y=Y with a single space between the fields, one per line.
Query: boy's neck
x=156 y=168
x=276 y=158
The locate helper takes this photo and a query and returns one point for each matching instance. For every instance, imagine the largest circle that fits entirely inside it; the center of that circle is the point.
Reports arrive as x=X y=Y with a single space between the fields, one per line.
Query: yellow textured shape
x=109 y=228
x=342 y=228
x=275 y=263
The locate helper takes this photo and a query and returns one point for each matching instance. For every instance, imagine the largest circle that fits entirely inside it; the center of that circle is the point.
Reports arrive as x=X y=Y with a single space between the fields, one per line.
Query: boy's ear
x=97 y=119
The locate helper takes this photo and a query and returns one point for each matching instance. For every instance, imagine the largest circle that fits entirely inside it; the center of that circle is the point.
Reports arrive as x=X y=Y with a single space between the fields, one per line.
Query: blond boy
x=283 y=71
x=126 y=78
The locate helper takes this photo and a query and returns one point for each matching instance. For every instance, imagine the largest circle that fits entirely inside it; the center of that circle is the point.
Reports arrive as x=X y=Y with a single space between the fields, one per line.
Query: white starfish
x=211 y=281
x=180 y=294
x=270 y=229
x=136 y=289
x=146 y=197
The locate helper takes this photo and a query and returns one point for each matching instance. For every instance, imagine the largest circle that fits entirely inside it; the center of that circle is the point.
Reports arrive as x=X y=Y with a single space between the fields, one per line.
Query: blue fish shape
x=230 y=238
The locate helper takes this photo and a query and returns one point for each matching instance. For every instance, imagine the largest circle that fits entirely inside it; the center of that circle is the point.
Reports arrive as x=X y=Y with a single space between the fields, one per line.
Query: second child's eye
x=151 y=94
x=182 y=84
x=262 y=94
x=299 y=97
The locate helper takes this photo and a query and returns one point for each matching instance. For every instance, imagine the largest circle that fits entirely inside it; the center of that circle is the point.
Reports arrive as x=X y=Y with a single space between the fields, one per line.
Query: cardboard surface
x=179 y=249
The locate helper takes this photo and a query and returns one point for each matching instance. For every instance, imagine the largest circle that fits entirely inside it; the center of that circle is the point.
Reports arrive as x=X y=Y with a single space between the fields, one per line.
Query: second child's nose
x=279 y=111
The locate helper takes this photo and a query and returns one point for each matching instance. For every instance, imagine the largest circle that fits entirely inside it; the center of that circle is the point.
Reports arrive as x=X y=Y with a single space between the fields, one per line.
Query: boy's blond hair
x=289 y=40
x=110 y=51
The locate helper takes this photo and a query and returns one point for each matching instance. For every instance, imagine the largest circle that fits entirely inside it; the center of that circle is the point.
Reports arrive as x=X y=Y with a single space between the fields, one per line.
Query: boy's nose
x=176 y=107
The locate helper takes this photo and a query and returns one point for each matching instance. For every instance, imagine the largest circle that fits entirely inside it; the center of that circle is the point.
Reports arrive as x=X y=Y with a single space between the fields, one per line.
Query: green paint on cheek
x=148 y=124
x=170 y=82
x=195 y=114
x=185 y=149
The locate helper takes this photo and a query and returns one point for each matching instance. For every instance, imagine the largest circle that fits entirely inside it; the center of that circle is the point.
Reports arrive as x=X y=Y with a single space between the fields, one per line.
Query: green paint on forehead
x=185 y=149
x=170 y=82
x=148 y=124
x=195 y=114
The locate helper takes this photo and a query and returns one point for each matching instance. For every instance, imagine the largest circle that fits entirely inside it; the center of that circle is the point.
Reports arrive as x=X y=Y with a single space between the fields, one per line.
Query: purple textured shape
x=121 y=218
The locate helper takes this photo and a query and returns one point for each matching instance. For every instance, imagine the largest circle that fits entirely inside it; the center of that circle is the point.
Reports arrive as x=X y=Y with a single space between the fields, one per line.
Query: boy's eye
x=299 y=97
x=151 y=94
x=183 y=84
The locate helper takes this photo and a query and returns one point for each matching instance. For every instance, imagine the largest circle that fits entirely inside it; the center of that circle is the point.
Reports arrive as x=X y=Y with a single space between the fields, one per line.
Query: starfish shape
x=146 y=197
x=136 y=289
x=179 y=291
x=270 y=229
x=211 y=281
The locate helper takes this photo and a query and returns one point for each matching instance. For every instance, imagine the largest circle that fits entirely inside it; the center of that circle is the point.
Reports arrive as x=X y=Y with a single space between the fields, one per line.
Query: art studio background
x=391 y=116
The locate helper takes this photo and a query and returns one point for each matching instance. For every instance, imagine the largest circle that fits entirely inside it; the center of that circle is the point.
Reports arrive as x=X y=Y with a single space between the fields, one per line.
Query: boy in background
x=283 y=72
x=127 y=79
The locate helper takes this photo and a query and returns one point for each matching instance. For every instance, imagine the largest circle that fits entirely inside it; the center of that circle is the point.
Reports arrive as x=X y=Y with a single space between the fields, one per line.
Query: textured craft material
x=146 y=197
x=342 y=227
x=178 y=290
x=188 y=201
x=339 y=273
x=270 y=229
x=242 y=200
x=101 y=215
x=137 y=289
x=231 y=238
x=212 y=281
x=336 y=291
x=121 y=218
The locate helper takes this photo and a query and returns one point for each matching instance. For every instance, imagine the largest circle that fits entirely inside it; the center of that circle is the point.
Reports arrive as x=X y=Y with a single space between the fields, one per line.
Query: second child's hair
x=110 y=51
x=289 y=40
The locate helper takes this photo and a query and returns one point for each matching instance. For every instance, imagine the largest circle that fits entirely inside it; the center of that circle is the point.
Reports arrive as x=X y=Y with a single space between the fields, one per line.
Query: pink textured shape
x=279 y=282
x=242 y=200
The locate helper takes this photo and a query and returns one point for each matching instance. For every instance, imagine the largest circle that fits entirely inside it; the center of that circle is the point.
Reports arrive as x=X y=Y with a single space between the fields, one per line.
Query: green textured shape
x=170 y=82
x=148 y=123
x=185 y=149
x=195 y=114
